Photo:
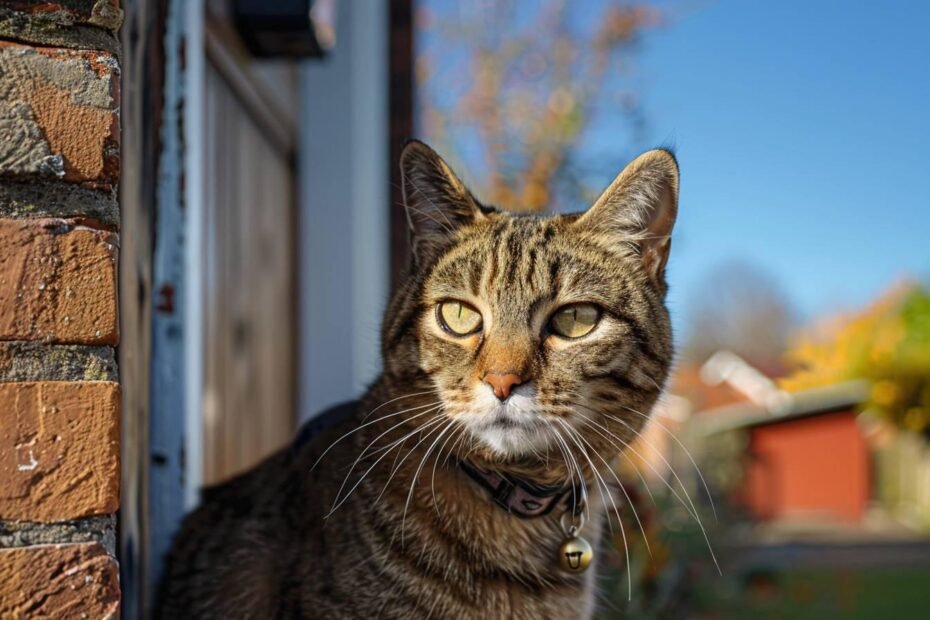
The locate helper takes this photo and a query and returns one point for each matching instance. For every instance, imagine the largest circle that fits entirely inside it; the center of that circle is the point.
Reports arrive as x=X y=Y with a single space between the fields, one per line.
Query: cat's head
x=527 y=325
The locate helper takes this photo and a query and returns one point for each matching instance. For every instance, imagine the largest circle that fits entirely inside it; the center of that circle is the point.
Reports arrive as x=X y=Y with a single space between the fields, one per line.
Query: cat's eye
x=458 y=318
x=574 y=320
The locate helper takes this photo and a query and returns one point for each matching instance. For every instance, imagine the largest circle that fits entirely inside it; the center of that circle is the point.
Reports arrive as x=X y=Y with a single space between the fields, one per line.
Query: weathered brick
x=59 y=114
x=57 y=282
x=76 y=580
x=59 y=450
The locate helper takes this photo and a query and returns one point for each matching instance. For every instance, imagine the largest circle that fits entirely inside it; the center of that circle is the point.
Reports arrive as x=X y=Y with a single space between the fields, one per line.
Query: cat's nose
x=502 y=383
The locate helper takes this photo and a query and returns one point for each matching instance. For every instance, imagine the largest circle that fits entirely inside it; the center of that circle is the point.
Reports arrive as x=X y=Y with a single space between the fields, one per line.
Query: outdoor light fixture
x=286 y=28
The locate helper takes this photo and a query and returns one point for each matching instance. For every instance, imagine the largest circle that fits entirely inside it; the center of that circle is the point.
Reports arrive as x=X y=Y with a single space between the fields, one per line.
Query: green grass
x=832 y=594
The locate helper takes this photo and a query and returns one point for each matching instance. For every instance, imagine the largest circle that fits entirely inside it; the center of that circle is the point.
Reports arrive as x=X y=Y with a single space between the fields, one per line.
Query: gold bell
x=575 y=554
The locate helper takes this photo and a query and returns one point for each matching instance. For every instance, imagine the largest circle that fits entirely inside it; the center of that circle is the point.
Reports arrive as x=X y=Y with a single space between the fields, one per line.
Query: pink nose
x=502 y=383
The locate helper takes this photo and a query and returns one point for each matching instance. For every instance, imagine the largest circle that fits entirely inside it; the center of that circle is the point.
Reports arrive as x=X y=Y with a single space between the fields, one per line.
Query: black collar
x=524 y=498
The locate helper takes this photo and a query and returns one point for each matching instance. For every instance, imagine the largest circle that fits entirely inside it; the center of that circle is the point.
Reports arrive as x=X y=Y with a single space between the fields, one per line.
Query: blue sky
x=803 y=134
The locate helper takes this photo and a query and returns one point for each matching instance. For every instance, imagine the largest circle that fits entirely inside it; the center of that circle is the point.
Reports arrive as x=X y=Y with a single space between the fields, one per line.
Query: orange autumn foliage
x=887 y=343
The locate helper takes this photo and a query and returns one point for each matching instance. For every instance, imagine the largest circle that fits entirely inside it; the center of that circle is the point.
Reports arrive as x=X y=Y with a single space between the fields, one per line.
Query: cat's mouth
x=509 y=435
x=505 y=420
x=504 y=417
x=520 y=410
x=512 y=427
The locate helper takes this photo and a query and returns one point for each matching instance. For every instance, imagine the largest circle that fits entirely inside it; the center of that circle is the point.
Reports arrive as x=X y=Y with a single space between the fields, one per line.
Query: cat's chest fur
x=443 y=551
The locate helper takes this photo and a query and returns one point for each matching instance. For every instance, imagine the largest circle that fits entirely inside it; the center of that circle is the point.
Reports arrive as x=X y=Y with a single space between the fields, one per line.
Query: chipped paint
x=169 y=376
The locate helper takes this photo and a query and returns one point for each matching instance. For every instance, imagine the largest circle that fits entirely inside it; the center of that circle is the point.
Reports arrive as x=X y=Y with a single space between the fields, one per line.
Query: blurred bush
x=888 y=344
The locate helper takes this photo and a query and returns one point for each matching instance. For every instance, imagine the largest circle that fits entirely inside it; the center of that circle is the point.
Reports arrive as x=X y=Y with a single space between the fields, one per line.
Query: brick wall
x=59 y=395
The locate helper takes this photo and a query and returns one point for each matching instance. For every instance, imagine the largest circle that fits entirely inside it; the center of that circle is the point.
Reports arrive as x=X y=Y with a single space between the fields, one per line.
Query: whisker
x=432 y=483
x=563 y=448
x=621 y=485
x=460 y=440
x=362 y=453
x=416 y=475
x=693 y=509
x=629 y=447
x=662 y=457
x=686 y=451
x=397 y=456
x=621 y=450
x=597 y=475
x=380 y=458
x=581 y=477
x=361 y=426
x=432 y=409
x=433 y=391
x=626 y=547
x=396 y=467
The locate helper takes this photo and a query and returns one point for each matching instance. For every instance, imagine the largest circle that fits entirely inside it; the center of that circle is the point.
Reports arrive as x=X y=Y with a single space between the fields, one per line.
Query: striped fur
x=374 y=519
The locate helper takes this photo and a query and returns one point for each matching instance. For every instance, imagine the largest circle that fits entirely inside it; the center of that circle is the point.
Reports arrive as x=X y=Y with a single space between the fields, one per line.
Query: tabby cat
x=519 y=356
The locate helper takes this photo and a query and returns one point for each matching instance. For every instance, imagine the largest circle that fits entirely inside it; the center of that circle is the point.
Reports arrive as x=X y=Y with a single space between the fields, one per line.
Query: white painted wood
x=195 y=236
x=170 y=463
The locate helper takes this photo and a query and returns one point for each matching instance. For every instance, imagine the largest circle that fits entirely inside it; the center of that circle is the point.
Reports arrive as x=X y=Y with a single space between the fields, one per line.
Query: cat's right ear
x=436 y=201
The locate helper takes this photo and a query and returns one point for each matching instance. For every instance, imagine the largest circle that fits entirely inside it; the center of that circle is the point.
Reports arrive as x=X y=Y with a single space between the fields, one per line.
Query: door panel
x=249 y=408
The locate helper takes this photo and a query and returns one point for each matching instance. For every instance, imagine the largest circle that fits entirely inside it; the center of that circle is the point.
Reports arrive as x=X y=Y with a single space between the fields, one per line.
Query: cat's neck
x=420 y=487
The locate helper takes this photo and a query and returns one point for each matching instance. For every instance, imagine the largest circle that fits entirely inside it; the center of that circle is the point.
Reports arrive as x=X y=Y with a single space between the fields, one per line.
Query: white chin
x=512 y=441
x=510 y=428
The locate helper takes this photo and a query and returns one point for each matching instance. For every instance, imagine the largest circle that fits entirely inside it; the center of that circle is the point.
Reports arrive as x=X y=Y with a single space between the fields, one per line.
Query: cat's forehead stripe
x=513 y=262
x=518 y=249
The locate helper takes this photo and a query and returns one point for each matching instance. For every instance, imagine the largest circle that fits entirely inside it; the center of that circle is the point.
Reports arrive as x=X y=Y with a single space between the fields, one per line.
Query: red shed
x=805 y=457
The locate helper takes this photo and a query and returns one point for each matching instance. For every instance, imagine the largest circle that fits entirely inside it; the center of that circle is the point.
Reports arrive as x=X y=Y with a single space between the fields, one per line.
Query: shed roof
x=793 y=405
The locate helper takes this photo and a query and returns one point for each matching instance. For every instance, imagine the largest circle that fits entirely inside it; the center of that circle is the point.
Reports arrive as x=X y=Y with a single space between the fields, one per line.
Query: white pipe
x=194 y=145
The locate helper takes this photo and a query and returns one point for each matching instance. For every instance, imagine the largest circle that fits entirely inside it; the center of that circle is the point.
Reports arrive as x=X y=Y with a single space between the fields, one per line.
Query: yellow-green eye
x=574 y=320
x=458 y=318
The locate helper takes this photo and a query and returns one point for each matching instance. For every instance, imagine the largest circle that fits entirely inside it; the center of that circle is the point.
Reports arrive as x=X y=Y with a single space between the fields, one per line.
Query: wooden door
x=249 y=257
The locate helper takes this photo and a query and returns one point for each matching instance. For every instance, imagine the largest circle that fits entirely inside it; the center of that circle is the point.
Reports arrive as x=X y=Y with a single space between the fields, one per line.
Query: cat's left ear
x=437 y=202
x=640 y=207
